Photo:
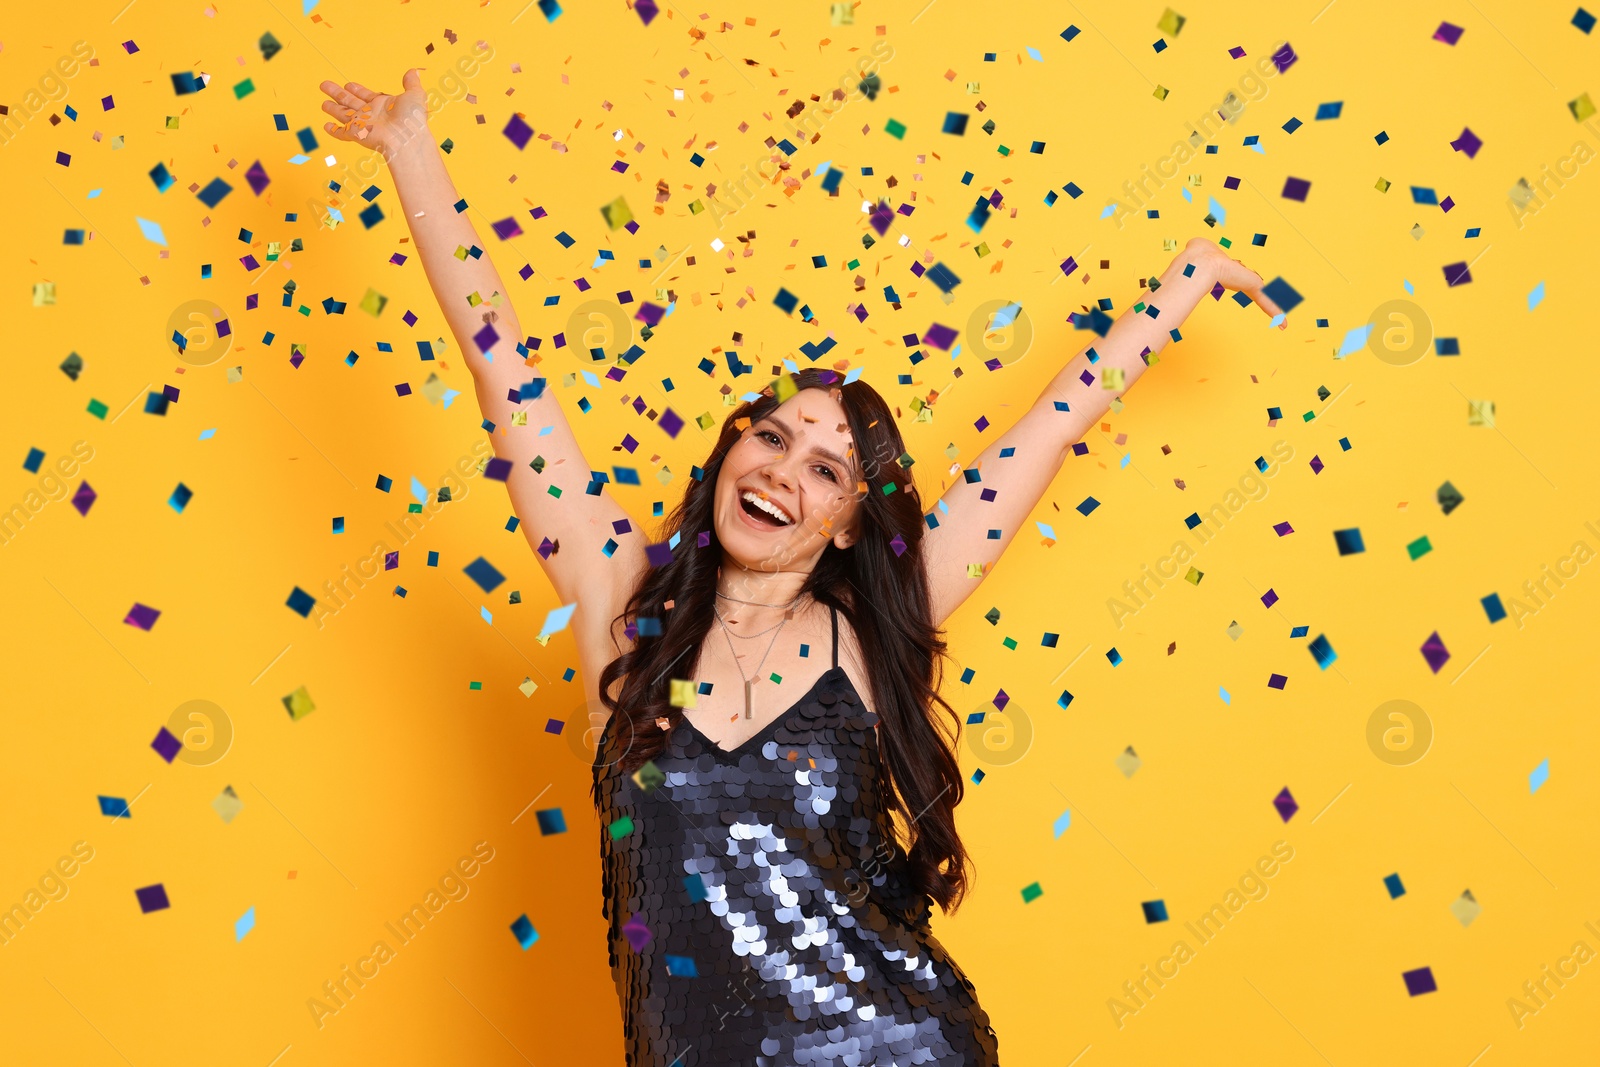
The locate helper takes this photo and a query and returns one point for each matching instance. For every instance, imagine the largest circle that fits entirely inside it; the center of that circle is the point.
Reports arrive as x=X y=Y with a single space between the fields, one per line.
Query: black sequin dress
x=770 y=904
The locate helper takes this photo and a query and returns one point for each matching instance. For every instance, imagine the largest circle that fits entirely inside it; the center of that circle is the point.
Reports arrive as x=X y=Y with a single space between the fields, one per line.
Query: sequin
x=782 y=924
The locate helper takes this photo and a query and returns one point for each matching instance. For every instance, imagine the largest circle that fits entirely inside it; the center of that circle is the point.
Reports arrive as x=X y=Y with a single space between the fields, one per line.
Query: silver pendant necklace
x=749 y=682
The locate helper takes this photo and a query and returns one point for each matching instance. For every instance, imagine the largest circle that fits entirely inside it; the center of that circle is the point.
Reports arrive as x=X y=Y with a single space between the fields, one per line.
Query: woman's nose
x=778 y=473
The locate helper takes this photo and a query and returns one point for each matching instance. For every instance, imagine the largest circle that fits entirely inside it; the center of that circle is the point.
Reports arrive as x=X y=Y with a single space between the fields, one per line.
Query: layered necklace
x=749 y=682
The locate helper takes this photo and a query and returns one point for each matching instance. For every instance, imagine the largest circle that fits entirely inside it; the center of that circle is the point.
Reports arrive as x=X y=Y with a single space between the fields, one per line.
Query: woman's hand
x=383 y=122
x=1232 y=274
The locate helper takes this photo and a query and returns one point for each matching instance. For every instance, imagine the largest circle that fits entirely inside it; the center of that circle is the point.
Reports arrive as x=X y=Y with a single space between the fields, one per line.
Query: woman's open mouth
x=763 y=513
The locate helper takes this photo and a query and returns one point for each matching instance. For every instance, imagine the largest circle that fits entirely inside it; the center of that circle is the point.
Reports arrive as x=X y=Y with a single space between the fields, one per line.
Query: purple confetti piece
x=142 y=616
x=257 y=178
x=1285 y=804
x=166 y=745
x=84 y=499
x=1434 y=652
x=152 y=898
x=518 y=132
x=940 y=337
x=1468 y=142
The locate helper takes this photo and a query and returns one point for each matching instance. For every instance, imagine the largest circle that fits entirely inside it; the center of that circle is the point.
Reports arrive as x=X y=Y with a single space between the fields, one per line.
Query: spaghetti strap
x=835 y=616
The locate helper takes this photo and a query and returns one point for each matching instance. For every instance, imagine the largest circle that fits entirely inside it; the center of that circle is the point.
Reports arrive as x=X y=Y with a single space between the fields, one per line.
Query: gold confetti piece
x=299 y=704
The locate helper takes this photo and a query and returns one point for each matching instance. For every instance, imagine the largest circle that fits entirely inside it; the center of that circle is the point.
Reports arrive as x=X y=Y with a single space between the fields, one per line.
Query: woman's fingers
x=340 y=111
x=412 y=79
x=343 y=96
x=359 y=90
x=338 y=133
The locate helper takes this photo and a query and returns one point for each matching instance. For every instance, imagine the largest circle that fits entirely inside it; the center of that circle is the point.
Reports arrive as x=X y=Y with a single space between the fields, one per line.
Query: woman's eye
x=768 y=433
x=829 y=472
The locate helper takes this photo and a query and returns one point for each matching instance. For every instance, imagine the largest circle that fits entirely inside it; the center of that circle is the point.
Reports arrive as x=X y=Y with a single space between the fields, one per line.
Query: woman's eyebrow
x=823 y=452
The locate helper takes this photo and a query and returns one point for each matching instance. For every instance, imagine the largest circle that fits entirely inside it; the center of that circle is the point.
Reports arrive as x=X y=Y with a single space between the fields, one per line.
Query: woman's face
x=798 y=460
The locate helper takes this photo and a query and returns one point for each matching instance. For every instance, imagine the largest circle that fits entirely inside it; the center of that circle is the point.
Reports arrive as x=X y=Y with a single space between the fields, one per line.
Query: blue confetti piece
x=487 y=618
x=1033 y=53
x=1217 y=211
x=1127 y=458
x=1106 y=214
x=244 y=925
x=1046 y=529
x=557 y=619
x=1355 y=340
x=1223 y=693
x=116 y=807
x=1536 y=297
x=1540 y=775
x=419 y=490
x=1322 y=651
x=206 y=435
x=1005 y=316
x=484 y=573
x=1063 y=822
x=1410 y=289
x=151 y=230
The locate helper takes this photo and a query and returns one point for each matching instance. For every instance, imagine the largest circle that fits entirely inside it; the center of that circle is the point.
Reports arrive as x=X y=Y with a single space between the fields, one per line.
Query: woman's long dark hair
x=881 y=591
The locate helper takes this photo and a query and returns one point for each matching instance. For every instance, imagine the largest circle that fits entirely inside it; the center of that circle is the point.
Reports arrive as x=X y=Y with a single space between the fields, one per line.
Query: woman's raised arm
x=549 y=476
x=1015 y=470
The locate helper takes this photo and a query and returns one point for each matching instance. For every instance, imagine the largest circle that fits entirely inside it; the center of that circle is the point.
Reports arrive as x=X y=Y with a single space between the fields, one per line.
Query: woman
x=769 y=736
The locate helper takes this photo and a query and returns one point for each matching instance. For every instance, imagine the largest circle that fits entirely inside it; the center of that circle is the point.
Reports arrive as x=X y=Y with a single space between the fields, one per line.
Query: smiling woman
x=740 y=823
x=803 y=525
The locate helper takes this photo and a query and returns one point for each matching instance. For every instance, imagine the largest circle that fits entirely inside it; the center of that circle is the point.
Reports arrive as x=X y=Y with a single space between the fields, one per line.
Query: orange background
x=354 y=812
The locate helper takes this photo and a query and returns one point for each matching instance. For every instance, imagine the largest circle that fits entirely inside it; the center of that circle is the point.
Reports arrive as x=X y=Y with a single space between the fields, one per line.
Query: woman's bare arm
x=550 y=501
x=1063 y=413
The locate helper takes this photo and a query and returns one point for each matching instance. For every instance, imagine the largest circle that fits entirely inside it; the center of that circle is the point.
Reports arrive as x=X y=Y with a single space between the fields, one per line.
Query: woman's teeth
x=777 y=513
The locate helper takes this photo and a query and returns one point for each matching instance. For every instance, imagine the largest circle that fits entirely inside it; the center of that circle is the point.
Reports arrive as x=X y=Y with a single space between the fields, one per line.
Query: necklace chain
x=728 y=634
x=757 y=603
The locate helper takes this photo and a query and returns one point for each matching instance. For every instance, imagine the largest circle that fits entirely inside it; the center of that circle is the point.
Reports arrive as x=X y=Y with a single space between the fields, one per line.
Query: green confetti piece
x=896 y=129
x=97 y=409
x=1419 y=548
